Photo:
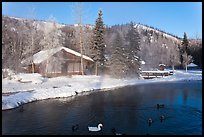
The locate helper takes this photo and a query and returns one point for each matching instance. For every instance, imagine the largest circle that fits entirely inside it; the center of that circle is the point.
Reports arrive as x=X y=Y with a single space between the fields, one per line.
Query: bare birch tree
x=187 y=59
x=51 y=40
x=32 y=16
x=78 y=15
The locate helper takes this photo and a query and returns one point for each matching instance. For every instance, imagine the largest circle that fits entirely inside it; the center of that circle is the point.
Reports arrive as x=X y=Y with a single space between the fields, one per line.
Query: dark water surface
x=127 y=110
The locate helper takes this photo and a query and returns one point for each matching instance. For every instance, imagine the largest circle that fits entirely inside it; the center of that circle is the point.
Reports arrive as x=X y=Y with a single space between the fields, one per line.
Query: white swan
x=95 y=128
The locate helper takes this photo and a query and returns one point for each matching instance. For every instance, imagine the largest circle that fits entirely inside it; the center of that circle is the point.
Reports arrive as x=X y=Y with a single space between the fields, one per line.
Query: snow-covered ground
x=24 y=88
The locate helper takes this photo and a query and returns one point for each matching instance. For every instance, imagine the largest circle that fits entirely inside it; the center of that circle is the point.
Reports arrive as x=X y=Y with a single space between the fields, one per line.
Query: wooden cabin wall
x=62 y=63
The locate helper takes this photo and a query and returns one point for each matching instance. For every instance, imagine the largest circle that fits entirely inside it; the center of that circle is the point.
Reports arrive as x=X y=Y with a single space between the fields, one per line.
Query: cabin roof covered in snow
x=44 y=54
x=192 y=65
x=142 y=62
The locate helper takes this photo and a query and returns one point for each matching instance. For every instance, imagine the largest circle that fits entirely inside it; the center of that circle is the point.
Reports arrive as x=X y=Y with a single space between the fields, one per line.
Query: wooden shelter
x=162 y=67
x=192 y=66
x=59 y=61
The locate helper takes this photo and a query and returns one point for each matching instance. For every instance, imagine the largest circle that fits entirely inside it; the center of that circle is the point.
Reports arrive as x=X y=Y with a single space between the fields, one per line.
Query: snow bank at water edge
x=24 y=88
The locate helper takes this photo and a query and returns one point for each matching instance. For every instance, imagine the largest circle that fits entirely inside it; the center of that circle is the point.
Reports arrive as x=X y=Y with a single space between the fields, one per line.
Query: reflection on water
x=127 y=110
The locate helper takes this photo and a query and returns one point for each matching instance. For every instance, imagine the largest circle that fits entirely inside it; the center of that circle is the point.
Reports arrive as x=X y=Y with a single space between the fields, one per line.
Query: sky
x=173 y=17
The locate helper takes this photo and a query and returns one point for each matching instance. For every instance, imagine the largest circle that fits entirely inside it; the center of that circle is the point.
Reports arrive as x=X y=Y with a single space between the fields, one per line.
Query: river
x=126 y=109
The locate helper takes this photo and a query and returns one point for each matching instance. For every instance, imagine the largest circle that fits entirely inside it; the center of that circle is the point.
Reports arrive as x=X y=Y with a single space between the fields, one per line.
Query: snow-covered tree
x=133 y=46
x=187 y=59
x=32 y=36
x=78 y=11
x=118 y=60
x=12 y=45
x=98 y=48
x=133 y=39
x=174 y=58
x=53 y=37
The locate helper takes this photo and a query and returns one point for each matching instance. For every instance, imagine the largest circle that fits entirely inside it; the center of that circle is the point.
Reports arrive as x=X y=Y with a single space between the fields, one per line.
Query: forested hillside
x=22 y=38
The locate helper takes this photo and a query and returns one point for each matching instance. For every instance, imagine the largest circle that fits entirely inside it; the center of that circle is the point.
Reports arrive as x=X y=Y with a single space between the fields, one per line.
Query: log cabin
x=60 y=61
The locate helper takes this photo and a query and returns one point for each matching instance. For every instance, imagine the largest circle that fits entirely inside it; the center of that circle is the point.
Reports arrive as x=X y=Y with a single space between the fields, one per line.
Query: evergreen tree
x=185 y=44
x=184 y=49
x=98 y=48
x=181 y=54
x=133 y=39
x=118 y=59
x=133 y=46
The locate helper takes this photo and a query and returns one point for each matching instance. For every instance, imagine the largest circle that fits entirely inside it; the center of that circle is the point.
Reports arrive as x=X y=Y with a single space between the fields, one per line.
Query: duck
x=162 y=118
x=75 y=127
x=114 y=132
x=96 y=128
x=21 y=107
x=76 y=93
x=150 y=121
x=160 y=106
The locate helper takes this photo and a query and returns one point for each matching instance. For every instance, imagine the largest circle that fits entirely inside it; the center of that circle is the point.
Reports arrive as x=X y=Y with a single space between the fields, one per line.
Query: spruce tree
x=133 y=39
x=184 y=49
x=118 y=61
x=133 y=45
x=185 y=43
x=181 y=52
x=98 y=49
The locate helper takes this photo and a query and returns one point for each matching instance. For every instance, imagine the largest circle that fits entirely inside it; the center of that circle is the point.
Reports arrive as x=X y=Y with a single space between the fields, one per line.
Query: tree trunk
x=96 y=69
x=46 y=70
x=173 y=68
x=186 y=68
x=32 y=55
x=81 y=46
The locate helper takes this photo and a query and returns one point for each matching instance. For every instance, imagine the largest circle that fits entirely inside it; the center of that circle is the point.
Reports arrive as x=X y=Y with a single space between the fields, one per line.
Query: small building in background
x=162 y=67
x=60 y=61
x=192 y=66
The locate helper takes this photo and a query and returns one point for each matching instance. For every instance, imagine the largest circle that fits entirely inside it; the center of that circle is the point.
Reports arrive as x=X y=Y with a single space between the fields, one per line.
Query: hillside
x=18 y=35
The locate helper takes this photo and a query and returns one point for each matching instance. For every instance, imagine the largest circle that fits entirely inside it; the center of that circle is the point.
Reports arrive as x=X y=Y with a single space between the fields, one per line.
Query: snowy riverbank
x=24 y=88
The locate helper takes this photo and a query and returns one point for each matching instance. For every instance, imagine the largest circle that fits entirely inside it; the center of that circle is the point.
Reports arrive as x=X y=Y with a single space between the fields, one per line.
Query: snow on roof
x=192 y=65
x=162 y=65
x=44 y=54
x=142 y=62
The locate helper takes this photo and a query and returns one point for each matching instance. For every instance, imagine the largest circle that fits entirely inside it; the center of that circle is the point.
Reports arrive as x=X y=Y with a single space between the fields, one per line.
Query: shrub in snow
x=7 y=73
